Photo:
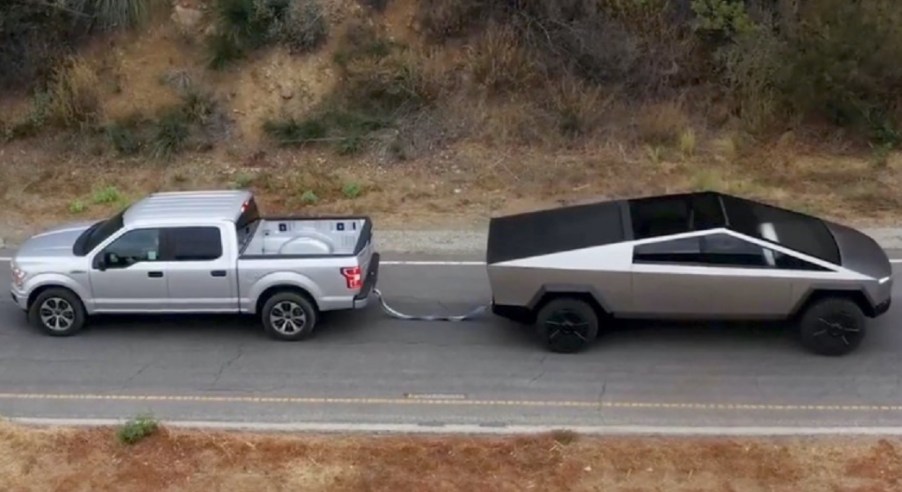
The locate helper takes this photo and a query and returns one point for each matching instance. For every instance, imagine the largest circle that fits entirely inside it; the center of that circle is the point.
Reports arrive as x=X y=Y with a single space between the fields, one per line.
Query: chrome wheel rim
x=288 y=318
x=57 y=314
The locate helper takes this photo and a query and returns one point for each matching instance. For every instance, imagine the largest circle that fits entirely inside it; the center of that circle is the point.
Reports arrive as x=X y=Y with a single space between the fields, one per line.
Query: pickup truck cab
x=197 y=252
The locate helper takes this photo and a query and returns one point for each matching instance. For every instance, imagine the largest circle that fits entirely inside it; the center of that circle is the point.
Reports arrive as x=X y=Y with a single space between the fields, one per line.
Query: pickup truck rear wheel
x=567 y=325
x=57 y=312
x=288 y=316
x=832 y=326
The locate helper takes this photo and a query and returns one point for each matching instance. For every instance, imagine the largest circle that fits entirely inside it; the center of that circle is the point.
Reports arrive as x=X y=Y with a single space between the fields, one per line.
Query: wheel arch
x=588 y=294
x=37 y=291
x=267 y=294
x=858 y=296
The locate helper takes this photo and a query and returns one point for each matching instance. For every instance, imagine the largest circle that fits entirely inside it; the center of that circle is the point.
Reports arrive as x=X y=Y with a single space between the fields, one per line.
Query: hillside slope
x=442 y=113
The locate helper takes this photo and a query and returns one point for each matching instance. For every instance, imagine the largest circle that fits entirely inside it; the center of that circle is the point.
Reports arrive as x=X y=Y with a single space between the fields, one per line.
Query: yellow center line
x=438 y=402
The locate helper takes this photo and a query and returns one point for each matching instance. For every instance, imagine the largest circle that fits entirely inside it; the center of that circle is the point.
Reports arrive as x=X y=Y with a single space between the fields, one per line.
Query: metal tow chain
x=397 y=314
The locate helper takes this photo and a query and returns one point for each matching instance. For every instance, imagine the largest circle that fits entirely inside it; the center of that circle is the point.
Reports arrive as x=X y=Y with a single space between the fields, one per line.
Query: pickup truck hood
x=55 y=242
x=860 y=252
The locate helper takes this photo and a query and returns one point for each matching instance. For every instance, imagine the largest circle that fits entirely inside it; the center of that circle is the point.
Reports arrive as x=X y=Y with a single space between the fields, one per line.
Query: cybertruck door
x=712 y=275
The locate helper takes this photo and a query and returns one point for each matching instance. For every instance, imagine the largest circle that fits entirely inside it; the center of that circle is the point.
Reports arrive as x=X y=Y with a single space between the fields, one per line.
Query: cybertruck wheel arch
x=549 y=292
x=815 y=294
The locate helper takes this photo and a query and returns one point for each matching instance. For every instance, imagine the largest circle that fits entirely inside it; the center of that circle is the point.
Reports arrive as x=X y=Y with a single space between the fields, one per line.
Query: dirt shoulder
x=93 y=459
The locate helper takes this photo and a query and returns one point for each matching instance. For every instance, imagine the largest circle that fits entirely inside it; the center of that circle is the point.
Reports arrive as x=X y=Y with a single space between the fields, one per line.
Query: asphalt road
x=365 y=367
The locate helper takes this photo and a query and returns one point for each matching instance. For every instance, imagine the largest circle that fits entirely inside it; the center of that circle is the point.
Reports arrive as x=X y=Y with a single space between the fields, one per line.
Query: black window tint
x=659 y=216
x=706 y=212
x=675 y=214
x=249 y=215
x=194 y=243
x=685 y=250
x=796 y=231
x=98 y=233
x=727 y=250
x=139 y=245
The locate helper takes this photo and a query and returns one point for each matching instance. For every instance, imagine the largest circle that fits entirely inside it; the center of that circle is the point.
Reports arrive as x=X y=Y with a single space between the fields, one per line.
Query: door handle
x=218 y=273
x=155 y=274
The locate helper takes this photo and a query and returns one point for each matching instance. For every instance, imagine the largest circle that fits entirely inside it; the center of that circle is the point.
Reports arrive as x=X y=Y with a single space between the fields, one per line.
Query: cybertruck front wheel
x=567 y=325
x=832 y=326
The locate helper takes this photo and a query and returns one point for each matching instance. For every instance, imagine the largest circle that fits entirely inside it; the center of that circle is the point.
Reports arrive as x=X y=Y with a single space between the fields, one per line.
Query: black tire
x=290 y=308
x=832 y=326
x=57 y=312
x=567 y=325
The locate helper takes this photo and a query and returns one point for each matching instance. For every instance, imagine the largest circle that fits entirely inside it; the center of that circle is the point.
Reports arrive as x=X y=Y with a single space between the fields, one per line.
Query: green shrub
x=293 y=132
x=302 y=28
x=137 y=429
x=35 y=35
x=106 y=195
x=243 y=26
x=172 y=131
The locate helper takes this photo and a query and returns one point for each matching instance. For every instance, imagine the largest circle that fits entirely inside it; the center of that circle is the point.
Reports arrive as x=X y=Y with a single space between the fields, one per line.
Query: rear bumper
x=361 y=300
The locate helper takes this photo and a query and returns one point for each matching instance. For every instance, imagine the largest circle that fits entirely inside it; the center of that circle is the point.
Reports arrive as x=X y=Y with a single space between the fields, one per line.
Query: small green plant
x=137 y=429
x=77 y=207
x=351 y=190
x=107 y=194
x=309 y=197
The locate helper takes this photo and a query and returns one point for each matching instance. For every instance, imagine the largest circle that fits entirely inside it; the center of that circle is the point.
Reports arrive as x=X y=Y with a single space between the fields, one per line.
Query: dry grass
x=74 y=97
x=67 y=459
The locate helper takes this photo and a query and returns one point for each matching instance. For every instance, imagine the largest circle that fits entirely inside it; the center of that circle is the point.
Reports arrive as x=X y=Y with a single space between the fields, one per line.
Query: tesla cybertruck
x=692 y=256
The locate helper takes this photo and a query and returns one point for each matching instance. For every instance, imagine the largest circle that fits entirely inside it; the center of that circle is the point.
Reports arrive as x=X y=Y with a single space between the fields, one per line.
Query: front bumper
x=361 y=300
x=883 y=307
x=19 y=298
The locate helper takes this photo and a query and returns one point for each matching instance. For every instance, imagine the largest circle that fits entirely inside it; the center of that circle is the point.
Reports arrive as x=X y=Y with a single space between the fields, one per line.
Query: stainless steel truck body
x=197 y=252
x=704 y=256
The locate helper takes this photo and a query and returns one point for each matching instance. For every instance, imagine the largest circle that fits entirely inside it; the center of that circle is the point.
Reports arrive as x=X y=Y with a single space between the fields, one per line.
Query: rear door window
x=194 y=243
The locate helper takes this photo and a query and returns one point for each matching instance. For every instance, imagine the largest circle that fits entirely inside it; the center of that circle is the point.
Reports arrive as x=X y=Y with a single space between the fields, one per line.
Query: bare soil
x=92 y=459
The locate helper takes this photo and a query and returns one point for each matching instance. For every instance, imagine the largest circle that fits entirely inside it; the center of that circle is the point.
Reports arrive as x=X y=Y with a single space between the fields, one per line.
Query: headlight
x=19 y=275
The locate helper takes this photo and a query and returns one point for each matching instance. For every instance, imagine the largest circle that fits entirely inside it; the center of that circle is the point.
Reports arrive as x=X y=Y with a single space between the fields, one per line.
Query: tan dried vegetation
x=445 y=112
x=185 y=460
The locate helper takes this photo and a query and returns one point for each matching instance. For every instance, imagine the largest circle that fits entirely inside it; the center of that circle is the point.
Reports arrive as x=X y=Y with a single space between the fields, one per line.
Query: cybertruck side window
x=675 y=214
x=683 y=251
x=724 y=250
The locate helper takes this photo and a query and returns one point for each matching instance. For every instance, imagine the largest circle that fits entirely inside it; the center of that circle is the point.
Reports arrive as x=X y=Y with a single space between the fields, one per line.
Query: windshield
x=97 y=233
x=794 y=230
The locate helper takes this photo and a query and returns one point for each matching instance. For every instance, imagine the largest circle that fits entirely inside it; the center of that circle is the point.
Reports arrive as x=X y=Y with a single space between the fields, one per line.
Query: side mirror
x=100 y=262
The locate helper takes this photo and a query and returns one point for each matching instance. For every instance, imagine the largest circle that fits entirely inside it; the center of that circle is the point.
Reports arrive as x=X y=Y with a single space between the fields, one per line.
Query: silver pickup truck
x=197 y=252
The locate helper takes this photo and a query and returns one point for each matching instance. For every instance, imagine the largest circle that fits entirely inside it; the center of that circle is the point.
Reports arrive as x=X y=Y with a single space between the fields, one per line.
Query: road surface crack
x=136 y=374
x=225 y=365
x=542 y=370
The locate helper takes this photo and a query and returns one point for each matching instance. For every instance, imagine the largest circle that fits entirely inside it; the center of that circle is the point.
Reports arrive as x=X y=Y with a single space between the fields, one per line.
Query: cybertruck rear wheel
x=567 y=325
x=832 y=326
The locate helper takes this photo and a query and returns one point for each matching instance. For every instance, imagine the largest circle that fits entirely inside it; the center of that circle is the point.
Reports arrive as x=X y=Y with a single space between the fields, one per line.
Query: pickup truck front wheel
x=288 y=316
x=57 y=312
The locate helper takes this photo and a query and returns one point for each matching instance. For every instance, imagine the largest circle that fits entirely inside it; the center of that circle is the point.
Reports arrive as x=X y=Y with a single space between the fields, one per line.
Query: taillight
x=352 y=277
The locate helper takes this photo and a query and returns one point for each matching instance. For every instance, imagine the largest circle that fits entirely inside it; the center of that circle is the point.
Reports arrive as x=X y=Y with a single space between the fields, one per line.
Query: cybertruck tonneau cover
x=552 y=231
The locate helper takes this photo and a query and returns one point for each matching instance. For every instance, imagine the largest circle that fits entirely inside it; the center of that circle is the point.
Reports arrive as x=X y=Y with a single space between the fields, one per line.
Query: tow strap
x=397 y=314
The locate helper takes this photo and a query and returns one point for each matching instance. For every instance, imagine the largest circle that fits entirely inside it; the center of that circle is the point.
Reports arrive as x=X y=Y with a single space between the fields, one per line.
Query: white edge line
x=477 y=429
x=440 y=263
